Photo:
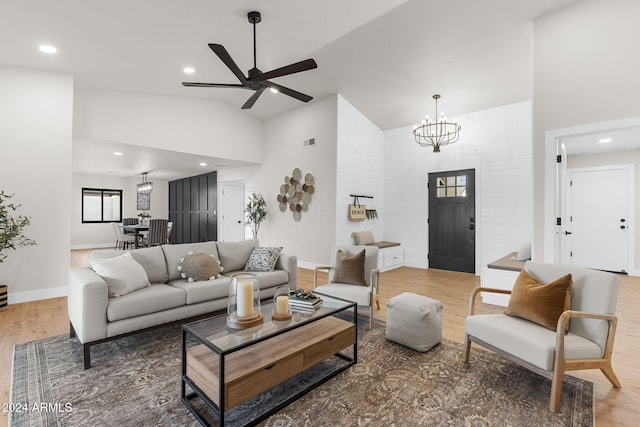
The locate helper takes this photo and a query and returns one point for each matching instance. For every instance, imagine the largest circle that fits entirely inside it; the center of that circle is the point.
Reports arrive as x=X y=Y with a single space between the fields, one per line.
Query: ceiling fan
x=256 y=80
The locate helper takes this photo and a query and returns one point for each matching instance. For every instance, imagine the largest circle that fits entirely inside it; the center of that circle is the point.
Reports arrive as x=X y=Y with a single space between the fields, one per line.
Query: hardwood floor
x=614 y=407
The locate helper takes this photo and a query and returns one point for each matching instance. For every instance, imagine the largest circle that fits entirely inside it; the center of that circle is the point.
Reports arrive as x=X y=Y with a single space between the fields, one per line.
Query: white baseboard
x=633 y=273
x=92 y=246
x=18 y=297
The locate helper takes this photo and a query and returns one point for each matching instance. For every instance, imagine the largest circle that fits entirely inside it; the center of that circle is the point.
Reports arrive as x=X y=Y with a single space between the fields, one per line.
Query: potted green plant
x=256 y=212
x=11 y=226
x=11 y=236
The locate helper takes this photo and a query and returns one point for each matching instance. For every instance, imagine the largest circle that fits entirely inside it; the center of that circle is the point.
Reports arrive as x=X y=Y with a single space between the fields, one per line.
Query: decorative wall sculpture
x=295 y=193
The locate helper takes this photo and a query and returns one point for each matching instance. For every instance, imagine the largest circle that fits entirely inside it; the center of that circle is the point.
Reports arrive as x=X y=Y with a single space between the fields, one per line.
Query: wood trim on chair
x=561 y=365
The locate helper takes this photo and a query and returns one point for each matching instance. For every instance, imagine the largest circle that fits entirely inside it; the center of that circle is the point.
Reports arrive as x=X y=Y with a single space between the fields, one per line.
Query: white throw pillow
x=524 y=253
x=123 y=274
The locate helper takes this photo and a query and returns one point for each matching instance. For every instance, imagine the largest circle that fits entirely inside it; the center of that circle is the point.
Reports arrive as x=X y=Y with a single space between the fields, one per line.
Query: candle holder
x=281 y=303
x=243 y=306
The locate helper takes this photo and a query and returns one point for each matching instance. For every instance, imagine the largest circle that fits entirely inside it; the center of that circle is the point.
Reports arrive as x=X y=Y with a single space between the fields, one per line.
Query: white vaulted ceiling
x=385 y=57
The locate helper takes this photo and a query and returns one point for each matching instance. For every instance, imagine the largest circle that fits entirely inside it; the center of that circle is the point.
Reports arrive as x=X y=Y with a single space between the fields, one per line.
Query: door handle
x=622 y=227
x=566 y=233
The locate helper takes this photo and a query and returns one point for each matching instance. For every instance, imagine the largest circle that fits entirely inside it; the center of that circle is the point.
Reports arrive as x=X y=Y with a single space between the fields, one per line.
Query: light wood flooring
x=614 y=407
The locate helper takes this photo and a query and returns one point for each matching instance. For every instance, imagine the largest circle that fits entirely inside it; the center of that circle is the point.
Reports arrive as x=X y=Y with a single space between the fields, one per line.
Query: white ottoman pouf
x=414 y=321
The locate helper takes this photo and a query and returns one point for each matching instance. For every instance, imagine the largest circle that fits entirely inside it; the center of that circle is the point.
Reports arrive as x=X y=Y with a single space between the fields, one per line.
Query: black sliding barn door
x=193 y=209
x=452 y=235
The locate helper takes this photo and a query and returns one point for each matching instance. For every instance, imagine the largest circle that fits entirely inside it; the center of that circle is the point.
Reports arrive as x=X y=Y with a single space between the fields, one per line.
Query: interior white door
x=599 y=218
x=232 y=211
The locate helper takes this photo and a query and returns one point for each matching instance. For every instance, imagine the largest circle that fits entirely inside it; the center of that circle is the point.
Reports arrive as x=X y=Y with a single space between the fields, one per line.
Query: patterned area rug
x=136 y=381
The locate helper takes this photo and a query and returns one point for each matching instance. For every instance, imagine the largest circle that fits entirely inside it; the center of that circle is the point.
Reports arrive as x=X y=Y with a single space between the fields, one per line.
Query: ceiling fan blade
x=194 y=84
x=224 y=56
x=292 y=93
x=253 y=98
x=307 y=64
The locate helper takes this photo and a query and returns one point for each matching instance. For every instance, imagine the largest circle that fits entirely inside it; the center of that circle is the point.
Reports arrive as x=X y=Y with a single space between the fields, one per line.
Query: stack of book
x=304 y=304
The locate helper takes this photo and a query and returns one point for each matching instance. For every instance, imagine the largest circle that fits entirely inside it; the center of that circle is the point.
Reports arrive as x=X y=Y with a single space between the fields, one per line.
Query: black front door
x=452 y=221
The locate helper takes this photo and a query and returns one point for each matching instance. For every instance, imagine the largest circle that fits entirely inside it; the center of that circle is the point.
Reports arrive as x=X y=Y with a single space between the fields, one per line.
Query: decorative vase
x=281 y=303
x=243 y=306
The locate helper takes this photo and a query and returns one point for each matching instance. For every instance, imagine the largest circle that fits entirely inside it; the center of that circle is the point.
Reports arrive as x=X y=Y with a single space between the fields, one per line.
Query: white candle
x=282 y=305
x=245 y=299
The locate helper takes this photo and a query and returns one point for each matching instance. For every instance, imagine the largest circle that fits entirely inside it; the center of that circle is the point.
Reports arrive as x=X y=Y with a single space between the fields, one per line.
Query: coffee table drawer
x=329 y=346
x=263 y=379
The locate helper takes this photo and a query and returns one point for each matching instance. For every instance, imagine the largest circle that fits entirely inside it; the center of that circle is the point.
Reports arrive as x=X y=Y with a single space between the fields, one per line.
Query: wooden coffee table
x=223 y=368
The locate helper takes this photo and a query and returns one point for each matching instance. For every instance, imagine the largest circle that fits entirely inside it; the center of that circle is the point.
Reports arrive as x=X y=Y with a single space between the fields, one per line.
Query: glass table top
x=215 y=332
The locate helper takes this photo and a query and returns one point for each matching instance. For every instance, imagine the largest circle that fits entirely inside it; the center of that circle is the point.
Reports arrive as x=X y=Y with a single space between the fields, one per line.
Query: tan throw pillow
x=363 y=237
x=198 y=266
x=350 y=269
x=539 y=302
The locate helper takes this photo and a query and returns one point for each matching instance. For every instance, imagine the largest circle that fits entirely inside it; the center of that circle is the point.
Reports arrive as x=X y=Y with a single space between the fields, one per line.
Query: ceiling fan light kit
x=256 y=80
x=438 y=132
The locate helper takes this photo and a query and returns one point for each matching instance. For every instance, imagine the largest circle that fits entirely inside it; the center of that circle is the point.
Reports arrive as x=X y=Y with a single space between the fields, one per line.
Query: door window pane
x=452 y=186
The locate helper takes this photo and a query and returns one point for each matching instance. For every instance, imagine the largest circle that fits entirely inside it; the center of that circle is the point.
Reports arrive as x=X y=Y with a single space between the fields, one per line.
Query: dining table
x=138 y=230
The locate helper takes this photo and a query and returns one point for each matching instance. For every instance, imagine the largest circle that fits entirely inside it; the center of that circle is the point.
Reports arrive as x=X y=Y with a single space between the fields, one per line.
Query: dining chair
x=169 y=228
x=129 y=221
x=157 y=232
x=123 y=241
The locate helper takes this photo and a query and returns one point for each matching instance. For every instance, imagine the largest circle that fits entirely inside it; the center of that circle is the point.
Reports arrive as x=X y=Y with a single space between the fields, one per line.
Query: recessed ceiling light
x=47 y=48
x=117 y=153
x=273 y=90
x=203 y=164
x=188 y=70
x=604 y=140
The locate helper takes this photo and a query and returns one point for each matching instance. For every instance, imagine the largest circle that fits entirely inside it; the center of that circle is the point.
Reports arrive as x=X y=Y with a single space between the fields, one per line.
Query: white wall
x=585 y=71
x=311 y=238
x=497 y=144
x=189 y=125
x=35 y=134
x=360 y=170
x=86 y=236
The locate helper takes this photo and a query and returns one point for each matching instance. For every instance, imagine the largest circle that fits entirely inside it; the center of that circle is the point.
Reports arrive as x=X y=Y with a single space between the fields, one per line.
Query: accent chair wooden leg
x=556 y=390
x=467 y=349
x=370 y=317
x=611 y=376
x=86 y=355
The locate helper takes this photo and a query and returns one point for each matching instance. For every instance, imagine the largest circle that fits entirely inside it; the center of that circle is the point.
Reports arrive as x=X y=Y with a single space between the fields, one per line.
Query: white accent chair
x=364 y=296
x=588 y=345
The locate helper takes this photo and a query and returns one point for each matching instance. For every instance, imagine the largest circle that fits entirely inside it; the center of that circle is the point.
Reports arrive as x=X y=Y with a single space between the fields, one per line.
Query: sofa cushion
x=527 y=340
x=174 y=253
x=234 y=255
x=151 y=299
x=205 y=290
x=151 y=259
x=263 y=259
x=122 y=274
x=539 y=302
x=350 y=269
x=197 y=266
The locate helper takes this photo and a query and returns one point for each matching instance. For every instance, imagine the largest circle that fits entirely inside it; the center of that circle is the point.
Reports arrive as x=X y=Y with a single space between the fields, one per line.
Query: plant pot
x=4 y=297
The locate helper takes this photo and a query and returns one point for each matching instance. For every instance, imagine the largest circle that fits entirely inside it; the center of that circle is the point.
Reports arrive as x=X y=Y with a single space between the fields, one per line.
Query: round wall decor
x=295 y=193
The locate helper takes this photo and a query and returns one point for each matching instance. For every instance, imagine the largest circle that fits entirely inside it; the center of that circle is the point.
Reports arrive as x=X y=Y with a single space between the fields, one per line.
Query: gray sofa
x=95 y=317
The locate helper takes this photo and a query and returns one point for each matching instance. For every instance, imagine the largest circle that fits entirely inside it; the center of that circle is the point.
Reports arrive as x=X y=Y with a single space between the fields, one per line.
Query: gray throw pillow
x=263 y=259
x=350 y=269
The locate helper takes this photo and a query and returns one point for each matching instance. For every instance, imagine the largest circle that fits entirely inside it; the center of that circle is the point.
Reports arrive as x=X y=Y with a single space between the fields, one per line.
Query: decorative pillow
x=263 y=259
x=524 y=254
x=123 y=274
x=350 y=269
x=197 y=266
x=363 y=237
x=539 y=302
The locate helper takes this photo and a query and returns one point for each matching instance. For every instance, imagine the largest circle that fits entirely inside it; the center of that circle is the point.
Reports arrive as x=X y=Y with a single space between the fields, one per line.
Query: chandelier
x=438 y=132
x=145 y=187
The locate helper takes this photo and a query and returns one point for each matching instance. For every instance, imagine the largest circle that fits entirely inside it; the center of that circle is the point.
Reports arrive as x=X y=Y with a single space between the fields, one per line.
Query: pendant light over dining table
x=438 y=132
x=145 y=187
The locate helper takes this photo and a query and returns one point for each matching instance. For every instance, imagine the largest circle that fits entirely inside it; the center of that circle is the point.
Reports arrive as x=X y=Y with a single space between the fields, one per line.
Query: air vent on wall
x=308 y=143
